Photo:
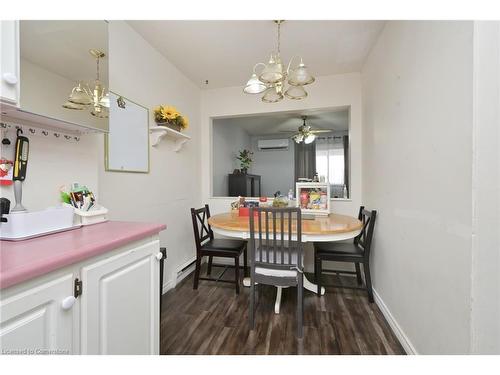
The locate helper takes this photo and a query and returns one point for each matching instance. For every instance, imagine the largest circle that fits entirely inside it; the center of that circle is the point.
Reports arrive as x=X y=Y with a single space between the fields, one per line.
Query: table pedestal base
x=308 y=285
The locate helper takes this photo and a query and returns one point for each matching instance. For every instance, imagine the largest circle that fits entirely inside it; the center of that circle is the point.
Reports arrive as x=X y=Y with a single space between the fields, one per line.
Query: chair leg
x=251 y=319
x=317 y=272
x=197 y=272
x=237 y=273
x=300 y=306
x=366 y=267
x=245 y=263
x=209 y=267
x=358 y=274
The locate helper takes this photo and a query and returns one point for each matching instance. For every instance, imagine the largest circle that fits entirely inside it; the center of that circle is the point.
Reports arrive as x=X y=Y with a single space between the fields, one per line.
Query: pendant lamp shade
x=296 y=93
x=254 y=85
x=273 y=72
x=300 y=76
x=273 y=95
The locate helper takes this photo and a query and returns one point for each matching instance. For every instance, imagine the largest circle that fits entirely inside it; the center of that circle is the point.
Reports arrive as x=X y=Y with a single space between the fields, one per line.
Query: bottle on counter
x=345 y=191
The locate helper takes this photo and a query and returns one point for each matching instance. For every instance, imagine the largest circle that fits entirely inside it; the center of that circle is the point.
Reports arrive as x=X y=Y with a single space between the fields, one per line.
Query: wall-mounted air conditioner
x=272 y=144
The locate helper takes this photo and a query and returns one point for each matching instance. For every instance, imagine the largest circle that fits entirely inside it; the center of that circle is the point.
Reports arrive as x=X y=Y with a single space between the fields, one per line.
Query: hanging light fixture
x=97 y=98
x=306 y=134
x=273 y=78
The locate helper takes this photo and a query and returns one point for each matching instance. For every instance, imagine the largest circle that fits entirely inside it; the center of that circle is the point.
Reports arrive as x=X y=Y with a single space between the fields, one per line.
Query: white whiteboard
x=127 y=144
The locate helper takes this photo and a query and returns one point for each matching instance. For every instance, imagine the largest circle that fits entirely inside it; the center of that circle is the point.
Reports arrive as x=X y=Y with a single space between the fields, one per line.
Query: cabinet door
x=120 y=303
x=9 y=62
x=34 y=322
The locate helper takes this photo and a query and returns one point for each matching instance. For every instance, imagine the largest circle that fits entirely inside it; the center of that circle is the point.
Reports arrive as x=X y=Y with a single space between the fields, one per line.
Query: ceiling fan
x=306 y=134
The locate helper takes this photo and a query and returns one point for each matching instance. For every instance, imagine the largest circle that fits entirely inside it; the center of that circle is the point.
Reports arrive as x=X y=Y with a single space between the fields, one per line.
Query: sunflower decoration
x=169 y=115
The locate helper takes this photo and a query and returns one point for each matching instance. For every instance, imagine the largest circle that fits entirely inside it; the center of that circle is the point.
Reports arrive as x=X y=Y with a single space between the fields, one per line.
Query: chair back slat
x=267 y=235
x=274 y=232
x=364 y=238
x=282 y=235
x=282 y=249
x=201 y=228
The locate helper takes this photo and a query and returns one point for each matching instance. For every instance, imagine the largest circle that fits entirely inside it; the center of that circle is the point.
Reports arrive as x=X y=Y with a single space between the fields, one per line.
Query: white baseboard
x=167 y=286
x=396 y=328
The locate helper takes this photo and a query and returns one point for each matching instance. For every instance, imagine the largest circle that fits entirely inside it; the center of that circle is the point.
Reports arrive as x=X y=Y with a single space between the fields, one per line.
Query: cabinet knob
x=159 y=256
x=10 y=78
x=68 y=302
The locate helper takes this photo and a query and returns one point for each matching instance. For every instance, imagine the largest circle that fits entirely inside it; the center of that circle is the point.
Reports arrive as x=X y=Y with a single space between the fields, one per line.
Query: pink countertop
x=24 y=260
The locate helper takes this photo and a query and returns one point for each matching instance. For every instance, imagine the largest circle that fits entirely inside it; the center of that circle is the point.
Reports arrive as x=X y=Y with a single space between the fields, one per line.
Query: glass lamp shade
x=296 y=93
x=273 y=95
x=69 y=105
x=273 y=72
x=254 y=86
x=298 y=138
x=309 y=138
x=79 y=96
x=99 y=111
x=300 y=76
x=104 y=102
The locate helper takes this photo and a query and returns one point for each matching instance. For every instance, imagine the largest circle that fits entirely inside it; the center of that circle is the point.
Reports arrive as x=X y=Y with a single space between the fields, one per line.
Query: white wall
x=327 y=92
x=227 y=141
x=486 y=190
x=54 y=162
x=417 y=163
x=276 y=167
x=165 y=195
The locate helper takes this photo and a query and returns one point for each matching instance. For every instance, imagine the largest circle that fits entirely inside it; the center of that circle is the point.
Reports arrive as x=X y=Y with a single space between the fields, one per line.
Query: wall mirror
x=127 y=143
x=59 y=65
x=286 y=147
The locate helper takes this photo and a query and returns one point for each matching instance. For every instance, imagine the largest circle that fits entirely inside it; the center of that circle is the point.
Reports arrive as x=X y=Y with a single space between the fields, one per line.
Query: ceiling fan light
x=296 y=93
x=300 y=76
x=273 y=95
x=254 y=86
x=309 y=138
x=298 y=138
x=79 y=95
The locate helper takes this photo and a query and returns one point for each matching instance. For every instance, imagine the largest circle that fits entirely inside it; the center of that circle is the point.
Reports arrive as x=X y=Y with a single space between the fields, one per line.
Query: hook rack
x=34 y=131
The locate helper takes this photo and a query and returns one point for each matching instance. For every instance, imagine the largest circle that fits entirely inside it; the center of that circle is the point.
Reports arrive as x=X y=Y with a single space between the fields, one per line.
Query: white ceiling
x=283 y=122
x=62 y=47
x=224 y=52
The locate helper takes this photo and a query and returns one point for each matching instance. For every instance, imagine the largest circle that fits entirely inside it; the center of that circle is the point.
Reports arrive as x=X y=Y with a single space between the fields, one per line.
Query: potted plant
x=245 y=158
x=170 y=117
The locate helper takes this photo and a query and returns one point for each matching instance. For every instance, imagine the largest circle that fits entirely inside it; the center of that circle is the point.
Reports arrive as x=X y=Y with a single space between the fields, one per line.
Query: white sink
x=25 y=225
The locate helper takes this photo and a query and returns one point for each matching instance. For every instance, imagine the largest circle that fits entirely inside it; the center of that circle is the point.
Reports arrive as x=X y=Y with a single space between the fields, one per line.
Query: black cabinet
x=245 y=185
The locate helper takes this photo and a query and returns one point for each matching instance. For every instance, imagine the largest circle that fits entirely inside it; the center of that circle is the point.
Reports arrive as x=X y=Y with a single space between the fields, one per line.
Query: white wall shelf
x=158 y=132
x=17 y=117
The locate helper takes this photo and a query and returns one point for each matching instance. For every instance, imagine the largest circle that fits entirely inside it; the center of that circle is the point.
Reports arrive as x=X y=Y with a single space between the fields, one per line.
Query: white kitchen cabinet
x=120 y=304
x=9 y=62
x=34 y=321
x=116 y=310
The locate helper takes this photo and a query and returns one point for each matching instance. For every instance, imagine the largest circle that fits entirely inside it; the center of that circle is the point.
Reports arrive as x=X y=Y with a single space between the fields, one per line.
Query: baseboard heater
x=184 y=272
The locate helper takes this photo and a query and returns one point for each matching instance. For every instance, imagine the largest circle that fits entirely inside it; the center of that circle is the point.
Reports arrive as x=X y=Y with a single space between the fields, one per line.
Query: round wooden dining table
x=333 y=227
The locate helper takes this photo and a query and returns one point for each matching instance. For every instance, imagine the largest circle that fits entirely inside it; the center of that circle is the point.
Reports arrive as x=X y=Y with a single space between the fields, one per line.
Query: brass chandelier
x=95 y=99
x=273 y=78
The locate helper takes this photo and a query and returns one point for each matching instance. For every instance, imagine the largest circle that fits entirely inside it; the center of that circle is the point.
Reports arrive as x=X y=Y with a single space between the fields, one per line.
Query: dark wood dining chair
x=275 y=256
x=357 y=252
x=207 y=245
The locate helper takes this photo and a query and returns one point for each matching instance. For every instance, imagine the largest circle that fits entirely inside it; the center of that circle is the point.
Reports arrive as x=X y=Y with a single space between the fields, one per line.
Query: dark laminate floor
x=214 y=320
